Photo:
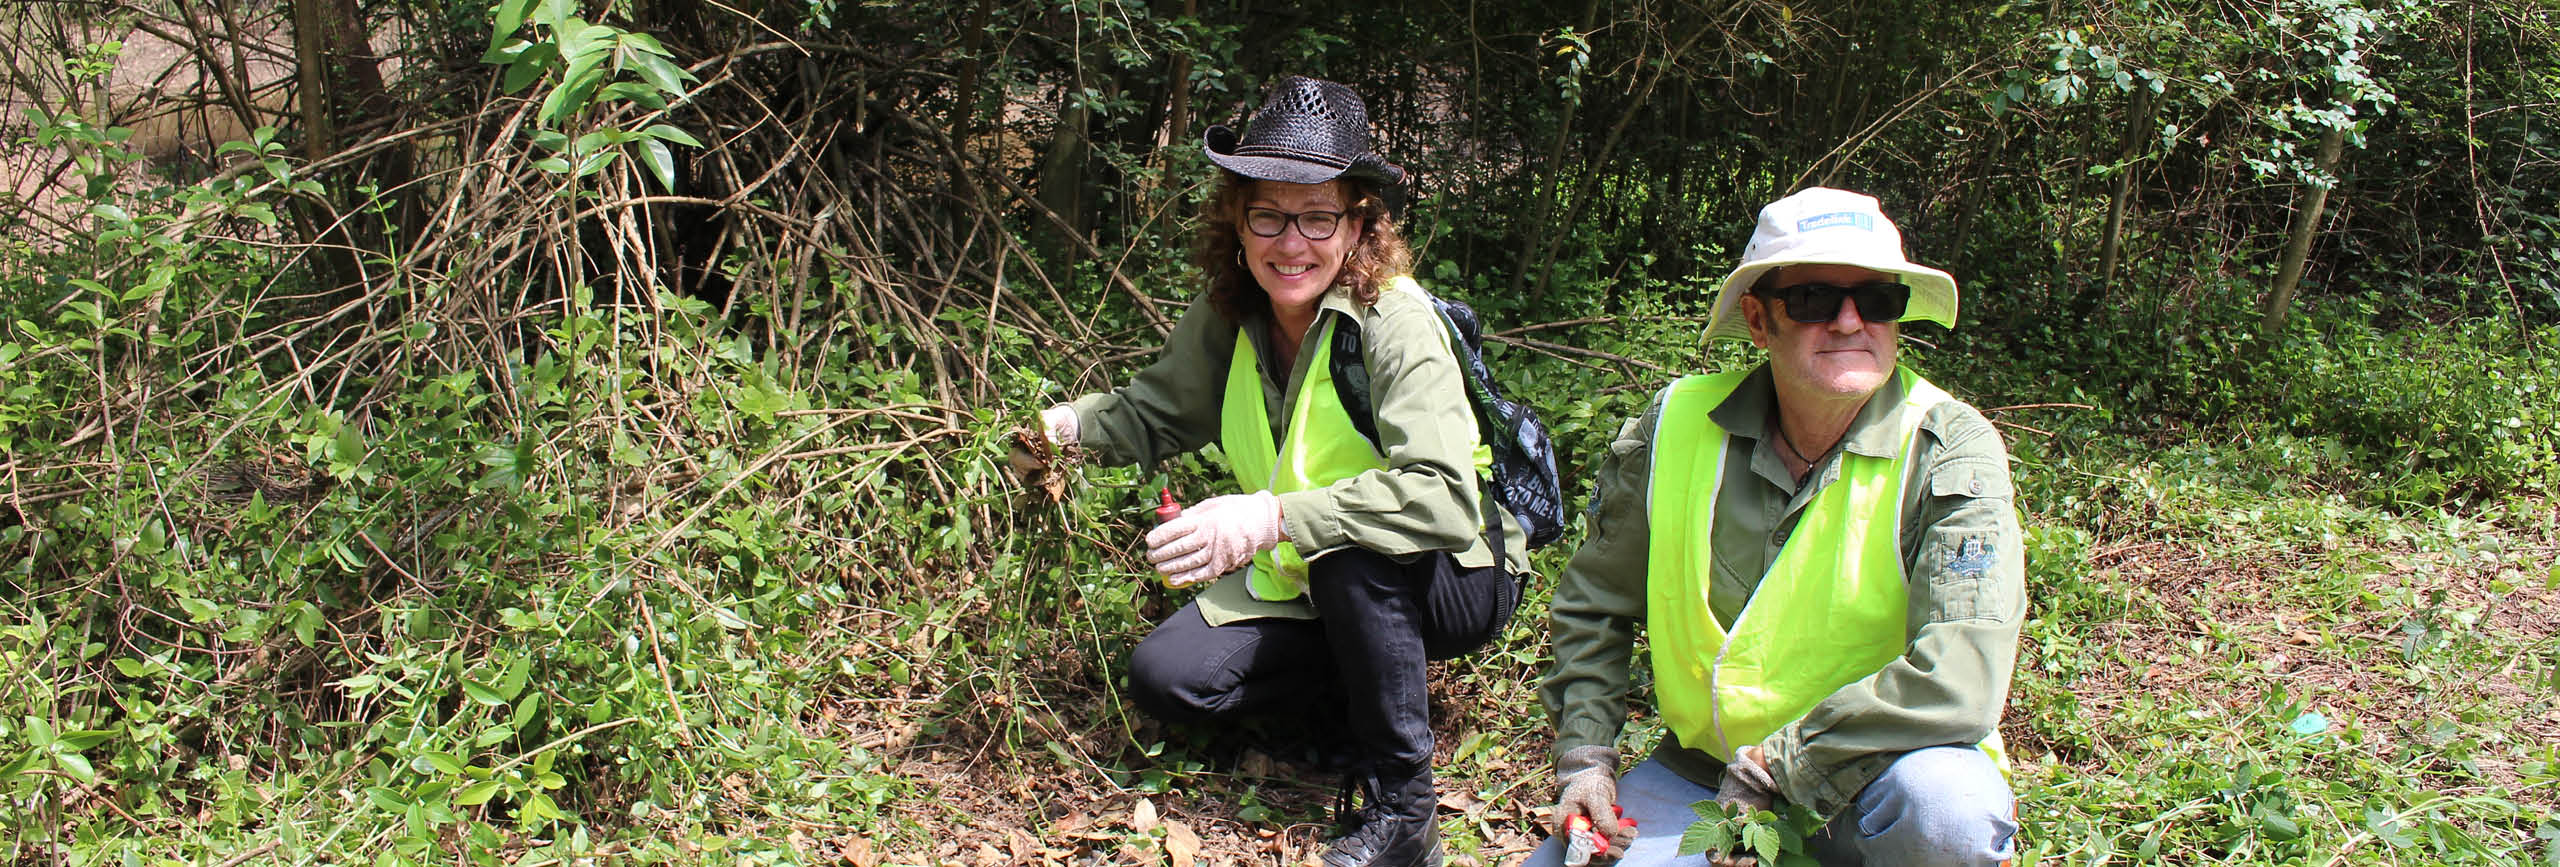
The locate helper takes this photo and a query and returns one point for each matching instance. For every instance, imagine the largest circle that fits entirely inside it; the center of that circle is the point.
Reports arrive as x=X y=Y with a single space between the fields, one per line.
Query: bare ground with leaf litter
x=2214 y=634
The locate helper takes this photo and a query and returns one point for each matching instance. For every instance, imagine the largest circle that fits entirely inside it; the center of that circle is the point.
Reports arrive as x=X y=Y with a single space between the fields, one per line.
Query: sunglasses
x=1312 y=225
x=1817 y=303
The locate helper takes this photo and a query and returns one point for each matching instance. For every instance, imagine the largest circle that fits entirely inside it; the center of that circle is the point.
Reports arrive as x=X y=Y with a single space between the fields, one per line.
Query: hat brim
x=1933 y=292
x=1220 y=143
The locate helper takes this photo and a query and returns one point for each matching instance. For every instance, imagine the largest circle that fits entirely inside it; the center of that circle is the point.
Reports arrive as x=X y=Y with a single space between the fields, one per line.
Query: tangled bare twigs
x=803 y=329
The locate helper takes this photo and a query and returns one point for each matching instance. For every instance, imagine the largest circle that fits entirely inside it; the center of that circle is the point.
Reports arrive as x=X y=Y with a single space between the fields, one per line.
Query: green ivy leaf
x=85 y=739
x=538 y=807
x=482 y=694
x=476 y=794
x=386 y=799
x=436 y=763
x=76 y=765
x=2275 y=824
x=351 y=447
x=512 y=683
x=2387 y=828
x=307 y=621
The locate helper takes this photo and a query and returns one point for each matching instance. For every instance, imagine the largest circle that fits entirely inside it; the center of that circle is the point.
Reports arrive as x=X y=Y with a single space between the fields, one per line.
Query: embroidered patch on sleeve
x=1972 y=558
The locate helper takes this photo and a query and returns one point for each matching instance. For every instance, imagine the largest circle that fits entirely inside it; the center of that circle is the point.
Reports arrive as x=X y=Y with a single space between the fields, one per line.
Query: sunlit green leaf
x=662 y=165
x=386 y=799
x=441 y=763
x=483 y=694
x=679 y=136
x=476 y=794
x=511 y=15
x=76 y=765
x=659 y=72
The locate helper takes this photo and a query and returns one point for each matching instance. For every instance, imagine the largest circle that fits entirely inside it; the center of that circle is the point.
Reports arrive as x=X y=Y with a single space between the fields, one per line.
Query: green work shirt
x=1963 y=558
x=1425 y=500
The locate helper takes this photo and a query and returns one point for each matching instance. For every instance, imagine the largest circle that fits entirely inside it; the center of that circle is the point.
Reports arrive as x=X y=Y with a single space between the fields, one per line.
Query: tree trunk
x=311 y=69
x=1553 y=176
x=1584 y=190
x=1178 y=118
x=2297 y=247
x=965 y=109
x=1062 y=166
x=341 y=85
x=2110 y=247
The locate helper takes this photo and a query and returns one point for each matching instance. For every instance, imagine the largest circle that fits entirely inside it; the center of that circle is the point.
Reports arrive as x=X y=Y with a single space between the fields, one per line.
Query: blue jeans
x=1941 y=805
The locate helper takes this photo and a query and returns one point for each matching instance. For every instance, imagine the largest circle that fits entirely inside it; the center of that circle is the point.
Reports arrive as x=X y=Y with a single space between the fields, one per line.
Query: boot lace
x=1368 y=830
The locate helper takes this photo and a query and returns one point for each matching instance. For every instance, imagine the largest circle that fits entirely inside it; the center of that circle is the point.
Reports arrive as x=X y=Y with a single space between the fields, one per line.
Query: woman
x=1346 y=563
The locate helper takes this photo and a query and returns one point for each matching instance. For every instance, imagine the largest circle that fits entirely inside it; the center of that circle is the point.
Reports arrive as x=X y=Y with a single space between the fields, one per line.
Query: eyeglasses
x=1817 y=303
x=1312 y=225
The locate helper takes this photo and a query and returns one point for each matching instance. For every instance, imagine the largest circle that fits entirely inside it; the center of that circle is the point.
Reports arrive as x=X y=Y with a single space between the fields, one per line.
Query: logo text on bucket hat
x=1863 y=222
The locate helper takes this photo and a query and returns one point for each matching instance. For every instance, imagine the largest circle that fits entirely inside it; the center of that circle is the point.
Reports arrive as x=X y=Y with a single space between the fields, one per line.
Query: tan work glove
x=1214 y=537
x=1748 y=784
x=1587 y=780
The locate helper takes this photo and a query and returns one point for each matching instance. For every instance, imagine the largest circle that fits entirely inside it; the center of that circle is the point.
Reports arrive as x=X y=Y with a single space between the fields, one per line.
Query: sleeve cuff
x=1799 y=781
x=1307 y=522
x=1585 y=733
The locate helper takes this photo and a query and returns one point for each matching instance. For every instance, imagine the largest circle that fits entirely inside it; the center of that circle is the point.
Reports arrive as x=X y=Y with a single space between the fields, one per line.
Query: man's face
x=1845 y=357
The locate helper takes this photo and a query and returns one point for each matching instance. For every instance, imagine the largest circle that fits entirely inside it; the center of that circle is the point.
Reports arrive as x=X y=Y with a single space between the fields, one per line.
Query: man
x=1826 y=558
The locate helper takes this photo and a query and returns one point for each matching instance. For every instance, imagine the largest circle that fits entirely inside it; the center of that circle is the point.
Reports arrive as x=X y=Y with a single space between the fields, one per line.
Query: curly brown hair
x=1380 y=256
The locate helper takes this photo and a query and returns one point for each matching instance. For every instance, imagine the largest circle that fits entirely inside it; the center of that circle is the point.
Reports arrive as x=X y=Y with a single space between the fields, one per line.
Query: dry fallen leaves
x=1181 y=846
x=1040 y=465
x=1142 y=816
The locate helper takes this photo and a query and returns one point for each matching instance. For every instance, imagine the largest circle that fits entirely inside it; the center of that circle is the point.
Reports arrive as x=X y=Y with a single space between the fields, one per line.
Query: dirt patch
x=2393 y=668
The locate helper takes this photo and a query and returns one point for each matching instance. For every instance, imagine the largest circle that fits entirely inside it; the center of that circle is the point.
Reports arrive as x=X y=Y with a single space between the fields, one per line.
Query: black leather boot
x=1396 y=828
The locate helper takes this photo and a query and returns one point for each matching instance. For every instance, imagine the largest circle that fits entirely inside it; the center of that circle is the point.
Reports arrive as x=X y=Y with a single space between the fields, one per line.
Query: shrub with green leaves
x=2466 y=408
x=1776 y=837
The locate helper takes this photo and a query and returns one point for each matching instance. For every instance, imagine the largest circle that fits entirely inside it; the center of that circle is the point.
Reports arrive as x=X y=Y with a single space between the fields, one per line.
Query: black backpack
x=1524 y=459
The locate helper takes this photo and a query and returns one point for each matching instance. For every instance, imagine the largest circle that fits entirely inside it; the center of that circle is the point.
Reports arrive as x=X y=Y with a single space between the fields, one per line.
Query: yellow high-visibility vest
x=1831 y=609
x=1321 y=447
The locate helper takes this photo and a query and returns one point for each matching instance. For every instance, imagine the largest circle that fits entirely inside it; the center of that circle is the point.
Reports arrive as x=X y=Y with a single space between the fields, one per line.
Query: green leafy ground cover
x=518 y=569
x=658 y=596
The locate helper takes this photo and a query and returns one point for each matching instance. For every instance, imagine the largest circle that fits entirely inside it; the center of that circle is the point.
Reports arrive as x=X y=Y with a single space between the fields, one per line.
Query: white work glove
x=1587 y=783
x=1214 y=537
x=1059 y=423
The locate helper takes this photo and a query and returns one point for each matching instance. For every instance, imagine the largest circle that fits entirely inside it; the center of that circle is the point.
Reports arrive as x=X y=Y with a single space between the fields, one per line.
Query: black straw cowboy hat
x=1309 y=131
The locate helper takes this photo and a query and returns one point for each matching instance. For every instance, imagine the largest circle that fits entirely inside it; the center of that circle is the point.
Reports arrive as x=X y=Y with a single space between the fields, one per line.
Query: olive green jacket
x=1962 y=552
x=1427 y=499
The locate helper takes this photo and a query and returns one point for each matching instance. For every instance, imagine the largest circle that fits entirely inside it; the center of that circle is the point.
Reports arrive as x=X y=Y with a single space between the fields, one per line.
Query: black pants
x=1381 y=620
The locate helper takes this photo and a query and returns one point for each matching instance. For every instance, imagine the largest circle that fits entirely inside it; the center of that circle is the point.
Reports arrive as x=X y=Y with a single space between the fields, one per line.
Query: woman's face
x=1293 y=269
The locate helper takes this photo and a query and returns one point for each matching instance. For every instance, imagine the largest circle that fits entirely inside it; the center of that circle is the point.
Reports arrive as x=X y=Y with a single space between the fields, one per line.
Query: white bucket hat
x=1825 y=226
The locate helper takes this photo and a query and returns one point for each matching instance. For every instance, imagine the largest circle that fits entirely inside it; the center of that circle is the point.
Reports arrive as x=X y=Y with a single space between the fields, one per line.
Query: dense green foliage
x=599 y=454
